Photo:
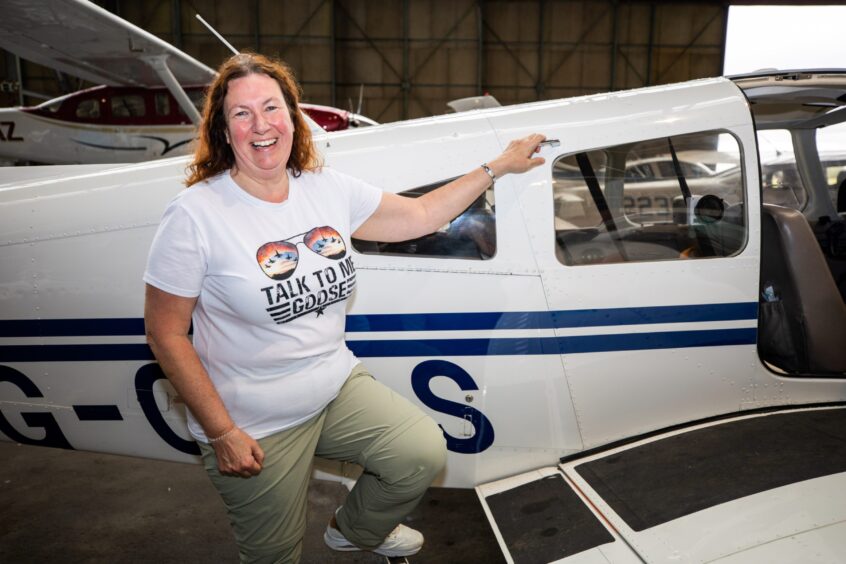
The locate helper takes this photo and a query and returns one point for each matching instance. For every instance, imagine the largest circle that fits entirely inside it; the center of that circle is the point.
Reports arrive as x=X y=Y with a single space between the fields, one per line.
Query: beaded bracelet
x=223 y=436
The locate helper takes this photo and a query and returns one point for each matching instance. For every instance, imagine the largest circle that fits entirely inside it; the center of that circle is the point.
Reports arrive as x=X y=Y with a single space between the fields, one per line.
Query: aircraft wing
x=767 y=487
x=79 y=38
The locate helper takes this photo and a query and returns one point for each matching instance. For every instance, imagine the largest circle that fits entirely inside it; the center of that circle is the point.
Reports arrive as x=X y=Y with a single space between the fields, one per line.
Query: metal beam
x=480 y=53
x=651 y=44
x=333 y=57
x=540 y=84
x=614 y=47
x=176 y=23
x=406 y=56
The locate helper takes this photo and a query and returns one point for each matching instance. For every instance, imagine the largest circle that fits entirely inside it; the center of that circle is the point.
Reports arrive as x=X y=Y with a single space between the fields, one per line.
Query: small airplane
x=607 y=340
x=146 y=105
x=651 y=365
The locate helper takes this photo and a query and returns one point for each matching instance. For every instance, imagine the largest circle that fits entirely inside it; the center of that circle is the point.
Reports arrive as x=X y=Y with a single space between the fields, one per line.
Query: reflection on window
x=88 y=109
x=780 y=181
x=471 y=235
x=162 y=104
x=662 y=199
x=128 y=106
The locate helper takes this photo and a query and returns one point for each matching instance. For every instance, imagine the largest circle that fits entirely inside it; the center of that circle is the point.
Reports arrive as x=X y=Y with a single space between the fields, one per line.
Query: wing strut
x=159 y=64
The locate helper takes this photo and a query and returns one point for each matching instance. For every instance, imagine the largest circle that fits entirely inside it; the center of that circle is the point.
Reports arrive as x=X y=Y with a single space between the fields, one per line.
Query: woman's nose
x=259 y=123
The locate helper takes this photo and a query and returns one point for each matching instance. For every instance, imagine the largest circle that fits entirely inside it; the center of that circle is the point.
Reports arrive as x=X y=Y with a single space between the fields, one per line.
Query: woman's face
x=258 y=125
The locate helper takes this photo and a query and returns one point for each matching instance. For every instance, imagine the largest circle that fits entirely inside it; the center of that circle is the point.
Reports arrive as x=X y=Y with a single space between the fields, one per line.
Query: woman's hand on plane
x=518 y=156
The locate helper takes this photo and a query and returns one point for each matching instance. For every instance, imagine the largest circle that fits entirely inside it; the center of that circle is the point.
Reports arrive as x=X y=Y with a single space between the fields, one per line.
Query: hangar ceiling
x=412 y=56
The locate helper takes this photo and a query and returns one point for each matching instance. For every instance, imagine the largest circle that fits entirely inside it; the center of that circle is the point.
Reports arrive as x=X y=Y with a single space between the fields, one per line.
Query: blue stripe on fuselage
x=367 y=348
x=464 y=321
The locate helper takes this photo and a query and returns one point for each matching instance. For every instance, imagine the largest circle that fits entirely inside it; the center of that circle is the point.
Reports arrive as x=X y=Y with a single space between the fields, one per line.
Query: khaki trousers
x=400 y=448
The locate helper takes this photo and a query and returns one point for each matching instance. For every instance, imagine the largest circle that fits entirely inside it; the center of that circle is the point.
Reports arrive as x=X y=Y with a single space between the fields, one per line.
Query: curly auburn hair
x=213 y=154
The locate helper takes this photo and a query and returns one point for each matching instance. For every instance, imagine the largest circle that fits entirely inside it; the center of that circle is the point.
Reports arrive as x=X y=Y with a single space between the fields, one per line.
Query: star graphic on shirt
x=320 y=311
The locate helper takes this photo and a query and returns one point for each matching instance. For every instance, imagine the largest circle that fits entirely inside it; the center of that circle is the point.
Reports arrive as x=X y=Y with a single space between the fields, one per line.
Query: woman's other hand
x=239 y=454
x=518 y=156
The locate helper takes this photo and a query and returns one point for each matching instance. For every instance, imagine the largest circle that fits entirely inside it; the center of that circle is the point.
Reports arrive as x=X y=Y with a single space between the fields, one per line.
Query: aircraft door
x=649 y=258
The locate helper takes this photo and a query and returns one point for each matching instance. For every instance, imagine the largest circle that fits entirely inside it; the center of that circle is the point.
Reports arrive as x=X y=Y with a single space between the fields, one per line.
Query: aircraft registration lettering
x=145 y=378
x=420 y=378
x=7 y=131
x=53 y=436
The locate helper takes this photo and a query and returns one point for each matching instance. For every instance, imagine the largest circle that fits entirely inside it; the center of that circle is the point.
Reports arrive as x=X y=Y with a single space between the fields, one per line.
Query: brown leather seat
x=802 y=328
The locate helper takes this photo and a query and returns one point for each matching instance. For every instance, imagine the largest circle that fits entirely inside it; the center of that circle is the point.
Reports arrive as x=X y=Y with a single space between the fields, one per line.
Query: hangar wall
x=413 y=56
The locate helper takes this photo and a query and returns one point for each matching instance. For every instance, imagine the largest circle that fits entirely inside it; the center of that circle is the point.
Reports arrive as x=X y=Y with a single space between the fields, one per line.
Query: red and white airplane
x=147 y=103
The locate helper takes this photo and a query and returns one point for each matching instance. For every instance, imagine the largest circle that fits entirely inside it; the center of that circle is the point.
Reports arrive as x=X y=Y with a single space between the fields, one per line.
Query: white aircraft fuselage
x=520 y=358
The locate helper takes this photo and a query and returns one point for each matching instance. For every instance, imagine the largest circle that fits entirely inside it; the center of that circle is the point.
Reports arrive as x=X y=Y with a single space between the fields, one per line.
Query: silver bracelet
x=213 y=440
x=487 y=169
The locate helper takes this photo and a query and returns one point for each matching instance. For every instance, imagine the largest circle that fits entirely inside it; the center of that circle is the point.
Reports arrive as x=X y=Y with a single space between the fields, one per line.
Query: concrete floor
x=70 y=506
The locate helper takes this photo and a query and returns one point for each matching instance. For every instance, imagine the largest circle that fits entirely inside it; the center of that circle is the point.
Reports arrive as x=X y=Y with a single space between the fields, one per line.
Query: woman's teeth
x=266 y=143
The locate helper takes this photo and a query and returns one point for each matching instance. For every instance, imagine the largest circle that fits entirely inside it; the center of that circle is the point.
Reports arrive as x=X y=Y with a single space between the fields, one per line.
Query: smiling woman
x=268 y=379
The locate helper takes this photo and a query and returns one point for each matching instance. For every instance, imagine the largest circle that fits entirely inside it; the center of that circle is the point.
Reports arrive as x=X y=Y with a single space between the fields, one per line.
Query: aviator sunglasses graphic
x=279 y=259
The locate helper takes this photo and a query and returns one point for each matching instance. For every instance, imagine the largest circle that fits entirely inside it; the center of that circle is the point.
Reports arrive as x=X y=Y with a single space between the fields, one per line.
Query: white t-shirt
x=272 y=280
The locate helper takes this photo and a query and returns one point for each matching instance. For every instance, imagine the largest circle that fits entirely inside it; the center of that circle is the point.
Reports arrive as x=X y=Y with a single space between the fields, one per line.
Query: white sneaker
x=403 y=541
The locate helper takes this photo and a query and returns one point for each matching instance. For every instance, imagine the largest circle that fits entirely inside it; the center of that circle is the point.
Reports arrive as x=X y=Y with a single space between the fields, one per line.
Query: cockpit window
x=471 y=235
x=88 y=109
x=662 y=199
x=128 y=106
x=162 y=101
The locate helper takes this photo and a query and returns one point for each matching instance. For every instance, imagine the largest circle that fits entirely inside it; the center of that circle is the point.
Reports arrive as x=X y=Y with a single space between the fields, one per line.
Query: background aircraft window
x=471 y=235
x=664 y=199
x=128 y=106
x=780 y=180
x=88 y=109
x=162 y=104
x=831 y=144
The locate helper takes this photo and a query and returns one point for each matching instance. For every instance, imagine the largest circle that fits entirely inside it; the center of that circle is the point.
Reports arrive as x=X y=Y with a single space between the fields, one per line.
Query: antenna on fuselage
x=216 y=34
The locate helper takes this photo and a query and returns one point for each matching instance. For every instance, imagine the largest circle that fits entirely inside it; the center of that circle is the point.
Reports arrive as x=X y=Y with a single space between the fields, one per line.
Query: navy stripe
x=74 y=353
x=71 y=327
x=553 y=345
x=426 y=321
x=425 y=347
x=551 y=320
x=98 y=413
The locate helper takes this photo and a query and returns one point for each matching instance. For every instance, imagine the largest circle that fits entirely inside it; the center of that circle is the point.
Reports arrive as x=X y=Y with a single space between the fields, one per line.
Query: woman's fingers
x=239 y=455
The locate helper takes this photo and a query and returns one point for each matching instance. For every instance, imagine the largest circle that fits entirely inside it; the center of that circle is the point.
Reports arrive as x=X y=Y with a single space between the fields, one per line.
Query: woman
x=256 y=256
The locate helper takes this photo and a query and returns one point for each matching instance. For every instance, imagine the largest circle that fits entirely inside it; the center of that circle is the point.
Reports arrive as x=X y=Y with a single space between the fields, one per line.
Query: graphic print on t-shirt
x=295 y=296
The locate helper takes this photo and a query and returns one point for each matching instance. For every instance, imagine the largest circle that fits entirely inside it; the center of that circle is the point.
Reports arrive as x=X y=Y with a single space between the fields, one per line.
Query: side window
x=471 y=235
x=88 y=109
x=690 y=205
x=162 y=104
x=831 y=144
x=780 y=180
x=128 y=106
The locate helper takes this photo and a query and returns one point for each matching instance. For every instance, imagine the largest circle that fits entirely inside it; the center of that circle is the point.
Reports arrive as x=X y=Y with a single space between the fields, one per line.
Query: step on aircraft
x=632 y=355
x=146 y=105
